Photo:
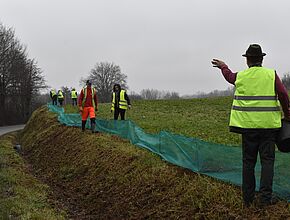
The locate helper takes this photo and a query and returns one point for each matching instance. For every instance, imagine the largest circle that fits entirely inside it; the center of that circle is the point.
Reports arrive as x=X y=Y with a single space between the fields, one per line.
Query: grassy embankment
x=22 y=196
x=103 y=176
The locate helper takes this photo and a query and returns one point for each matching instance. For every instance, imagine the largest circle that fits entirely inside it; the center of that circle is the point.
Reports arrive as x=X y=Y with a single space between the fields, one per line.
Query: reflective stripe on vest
x=113 y=101
x=255 y=97
x=122 y=102
x=85 y=96
x=74 y=94
x=255 y=109
x=255 y=103
x=60 y=95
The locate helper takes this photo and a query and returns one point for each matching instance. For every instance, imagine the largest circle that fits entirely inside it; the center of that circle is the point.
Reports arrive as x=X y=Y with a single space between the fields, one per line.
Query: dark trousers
x=120 y=111
x=74 y=101
x=54 y=100
x=93 y=125
x=60 y=101
x=262 y=142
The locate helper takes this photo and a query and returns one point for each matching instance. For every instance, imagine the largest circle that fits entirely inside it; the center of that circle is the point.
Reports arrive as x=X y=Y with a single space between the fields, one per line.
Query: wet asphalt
x=6 y=129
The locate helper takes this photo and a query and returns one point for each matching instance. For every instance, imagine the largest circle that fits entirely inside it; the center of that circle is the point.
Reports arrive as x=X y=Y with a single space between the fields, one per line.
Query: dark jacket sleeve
x=282 y=96
x=228 y=74
x=127 y=98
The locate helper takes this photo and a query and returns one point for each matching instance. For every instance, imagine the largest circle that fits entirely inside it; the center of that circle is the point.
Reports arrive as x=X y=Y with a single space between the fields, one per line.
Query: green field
x=206 y=119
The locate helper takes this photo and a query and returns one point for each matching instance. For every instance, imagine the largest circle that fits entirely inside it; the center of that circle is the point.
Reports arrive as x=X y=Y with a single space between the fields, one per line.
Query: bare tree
x=150 y=94
x=103 y=76
x=171 y=95
x=286 y=80
x=216 y=93
x=135 y=96
x=20 y=79
x=153 y=94
x=66 y=93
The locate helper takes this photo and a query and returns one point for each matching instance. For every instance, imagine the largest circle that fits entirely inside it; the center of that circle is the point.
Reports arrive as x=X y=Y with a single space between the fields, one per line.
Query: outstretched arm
x=217 y=63
x=227 y=73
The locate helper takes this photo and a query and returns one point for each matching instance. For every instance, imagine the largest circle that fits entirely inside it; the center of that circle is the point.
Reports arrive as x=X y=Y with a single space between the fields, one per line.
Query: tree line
x=286 y=80
x=20 y=79
x=105 y=74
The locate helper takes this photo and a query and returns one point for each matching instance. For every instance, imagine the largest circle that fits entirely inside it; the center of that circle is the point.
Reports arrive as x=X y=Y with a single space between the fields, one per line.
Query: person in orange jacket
x=88 y=104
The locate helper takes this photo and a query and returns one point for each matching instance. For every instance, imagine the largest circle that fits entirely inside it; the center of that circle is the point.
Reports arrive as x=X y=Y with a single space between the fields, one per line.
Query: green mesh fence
x=222 y=162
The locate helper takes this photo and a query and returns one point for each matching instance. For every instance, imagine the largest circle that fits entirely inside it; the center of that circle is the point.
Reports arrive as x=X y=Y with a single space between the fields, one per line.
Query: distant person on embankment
x=256 y=115
x=60 y=97
x=53 y=96
x=74 y=97
x=120 y=102
x=88 y=104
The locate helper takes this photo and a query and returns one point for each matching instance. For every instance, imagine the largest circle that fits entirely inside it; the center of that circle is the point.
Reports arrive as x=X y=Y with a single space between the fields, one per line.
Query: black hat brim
x=247 y=55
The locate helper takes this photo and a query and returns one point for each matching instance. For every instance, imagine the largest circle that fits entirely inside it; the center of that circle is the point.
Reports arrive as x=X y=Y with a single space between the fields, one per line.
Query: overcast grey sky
x=160 y=44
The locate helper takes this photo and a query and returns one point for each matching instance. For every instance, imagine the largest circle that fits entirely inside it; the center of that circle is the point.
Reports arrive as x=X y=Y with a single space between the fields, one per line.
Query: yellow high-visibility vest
x=53 y=93
x=60 y=95
x=255 y=103
x=122 y=102
x=74 y=94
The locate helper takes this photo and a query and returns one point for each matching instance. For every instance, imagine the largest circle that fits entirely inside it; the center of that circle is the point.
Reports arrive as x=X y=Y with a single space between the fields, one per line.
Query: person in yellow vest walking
x=60 y=97
x=256 y=115
x=74 y=97
x=120 y=102
x=53 y=97
x=88 y=104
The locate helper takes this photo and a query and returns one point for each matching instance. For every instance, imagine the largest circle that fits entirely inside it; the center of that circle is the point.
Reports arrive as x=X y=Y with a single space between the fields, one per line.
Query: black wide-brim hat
x=254 y=50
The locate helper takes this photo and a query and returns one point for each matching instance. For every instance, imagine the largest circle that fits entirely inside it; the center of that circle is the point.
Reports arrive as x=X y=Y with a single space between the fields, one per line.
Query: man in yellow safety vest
x=74 y=97
x=53 y=96
x=60 y=97
x=256 y=115
x=120 y=102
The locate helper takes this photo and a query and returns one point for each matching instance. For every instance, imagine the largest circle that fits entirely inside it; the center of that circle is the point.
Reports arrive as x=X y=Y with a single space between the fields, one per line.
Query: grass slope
x=22 y=196
x=105 y=177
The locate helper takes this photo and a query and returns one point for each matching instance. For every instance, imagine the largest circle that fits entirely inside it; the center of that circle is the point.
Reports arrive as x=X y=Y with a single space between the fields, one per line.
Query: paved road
x=6 y=129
